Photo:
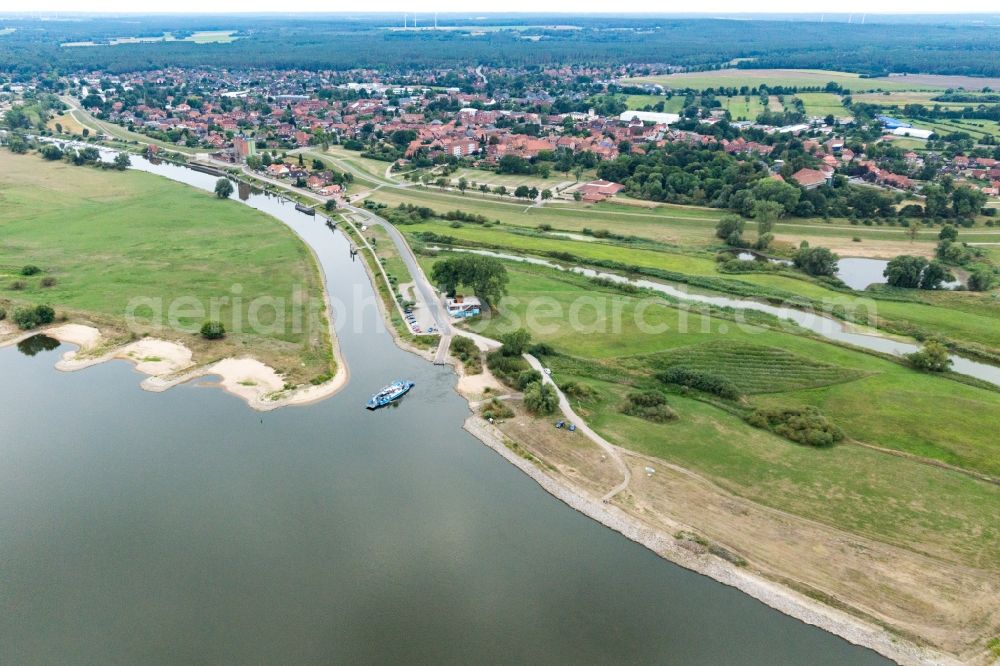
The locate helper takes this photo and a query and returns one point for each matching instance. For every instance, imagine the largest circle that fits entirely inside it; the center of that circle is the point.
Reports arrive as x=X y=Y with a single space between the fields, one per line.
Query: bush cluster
x=213 y=330
x=700 y=380
x=496 y=410
x=466 y=351
x=649 y=405
x=27 y=318
x=506 y=368
x=804 y=425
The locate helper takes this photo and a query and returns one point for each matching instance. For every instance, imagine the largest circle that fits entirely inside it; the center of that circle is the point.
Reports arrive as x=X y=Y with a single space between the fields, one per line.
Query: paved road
x=424 y=289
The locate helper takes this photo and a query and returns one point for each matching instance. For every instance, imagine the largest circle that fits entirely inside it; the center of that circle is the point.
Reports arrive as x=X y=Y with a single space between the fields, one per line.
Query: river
x=183 y=527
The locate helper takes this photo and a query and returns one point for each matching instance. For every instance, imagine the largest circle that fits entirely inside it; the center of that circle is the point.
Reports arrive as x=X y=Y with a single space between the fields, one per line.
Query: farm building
x=650 y=117
x=914 y=132
x=892 y=123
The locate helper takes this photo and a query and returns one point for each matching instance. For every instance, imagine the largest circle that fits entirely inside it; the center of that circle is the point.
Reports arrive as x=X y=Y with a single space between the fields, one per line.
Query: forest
x=305 y=42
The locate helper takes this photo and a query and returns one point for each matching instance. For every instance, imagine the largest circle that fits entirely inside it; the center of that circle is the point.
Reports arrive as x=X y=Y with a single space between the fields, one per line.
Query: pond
x=861 y=272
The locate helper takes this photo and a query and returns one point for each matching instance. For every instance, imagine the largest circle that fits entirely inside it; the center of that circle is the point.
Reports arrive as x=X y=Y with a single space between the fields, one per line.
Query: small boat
x=305 y=209
x=393 y=391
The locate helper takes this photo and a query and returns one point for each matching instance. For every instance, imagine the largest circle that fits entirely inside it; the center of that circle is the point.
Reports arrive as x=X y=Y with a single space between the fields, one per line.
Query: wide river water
x=183 y=527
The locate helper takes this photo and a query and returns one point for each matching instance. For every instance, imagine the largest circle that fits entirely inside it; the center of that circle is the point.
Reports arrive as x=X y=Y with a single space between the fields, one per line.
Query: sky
x=567 y=6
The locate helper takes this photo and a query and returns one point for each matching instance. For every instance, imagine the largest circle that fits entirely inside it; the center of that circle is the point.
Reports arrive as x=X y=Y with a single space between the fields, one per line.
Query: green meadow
x=106 y=237
x=937 y=314
x=597 y=341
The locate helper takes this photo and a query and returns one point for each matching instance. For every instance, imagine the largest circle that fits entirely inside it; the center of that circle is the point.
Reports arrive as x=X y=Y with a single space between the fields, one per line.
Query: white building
x=650 y=117
x=913 y=132
x=463 y=306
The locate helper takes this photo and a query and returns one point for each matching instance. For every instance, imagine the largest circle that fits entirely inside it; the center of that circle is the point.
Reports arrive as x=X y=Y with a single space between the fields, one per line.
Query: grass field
x=874 y=401
x=108 y=237
x=902 y=98
x=85 y=119
x=373 y=170
x=670 y=105
x=780 y=77
x=742 y=107
x=555 y=180
x=68 y=122
x=977 y=129
x=976 y=325
x=823 y=104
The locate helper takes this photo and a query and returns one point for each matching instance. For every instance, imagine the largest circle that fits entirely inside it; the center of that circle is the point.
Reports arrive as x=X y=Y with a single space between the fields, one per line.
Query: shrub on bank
x=213 y=330
x=506 y=368
x=465 y=350
x=496 y=410
x=28 y=318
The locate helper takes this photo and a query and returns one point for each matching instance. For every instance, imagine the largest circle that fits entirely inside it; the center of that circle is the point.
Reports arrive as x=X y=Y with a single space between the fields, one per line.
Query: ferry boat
x=393 y=391
x=305 y=209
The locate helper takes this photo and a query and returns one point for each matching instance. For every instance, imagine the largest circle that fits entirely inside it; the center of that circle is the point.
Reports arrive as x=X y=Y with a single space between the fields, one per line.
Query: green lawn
x=107 y=237
x=511 y=181
x=933 y=313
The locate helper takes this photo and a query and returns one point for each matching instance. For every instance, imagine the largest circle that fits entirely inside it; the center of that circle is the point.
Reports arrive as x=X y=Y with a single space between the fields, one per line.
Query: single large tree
x=766 y=213
x=905 y=271
x=730 y=229
x=487 y=276
x=816 y=260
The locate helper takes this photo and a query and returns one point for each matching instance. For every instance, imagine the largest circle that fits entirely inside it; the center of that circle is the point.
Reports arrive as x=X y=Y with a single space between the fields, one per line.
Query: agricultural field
x=105 y=237
x=970 y=83
x=977 y=129
x=199 y=37
x=670 y=104
x=780 y=77
x=902 y=98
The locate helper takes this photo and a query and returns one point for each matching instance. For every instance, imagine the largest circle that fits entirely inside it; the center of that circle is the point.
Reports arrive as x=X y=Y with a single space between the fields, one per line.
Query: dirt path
x=610 y=449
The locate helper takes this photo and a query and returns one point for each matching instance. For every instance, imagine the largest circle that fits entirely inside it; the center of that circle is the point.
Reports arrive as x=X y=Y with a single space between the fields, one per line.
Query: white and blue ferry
x=393 y=391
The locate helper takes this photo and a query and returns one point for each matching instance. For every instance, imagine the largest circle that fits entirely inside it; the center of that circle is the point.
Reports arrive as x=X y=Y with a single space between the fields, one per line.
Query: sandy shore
x=169 y=364
x=776 y=596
